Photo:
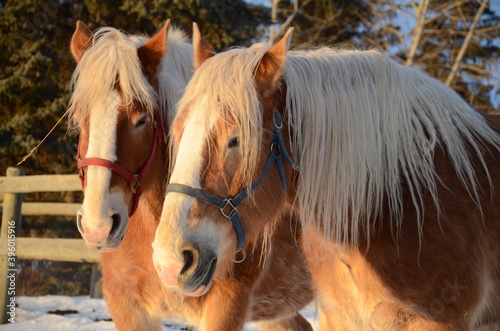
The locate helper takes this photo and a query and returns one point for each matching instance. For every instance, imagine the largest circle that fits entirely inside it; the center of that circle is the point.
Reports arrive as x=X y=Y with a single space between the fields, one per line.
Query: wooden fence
x=13 y=247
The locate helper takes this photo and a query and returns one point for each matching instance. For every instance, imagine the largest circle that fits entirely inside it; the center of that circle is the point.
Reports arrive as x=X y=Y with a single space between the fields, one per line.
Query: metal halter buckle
x=244 y=256
x=275 y=149
x=233 y=210
x=135 y=186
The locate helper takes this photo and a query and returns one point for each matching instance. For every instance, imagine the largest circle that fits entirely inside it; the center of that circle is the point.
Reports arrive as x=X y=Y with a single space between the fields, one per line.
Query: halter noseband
x=228 y=207
x=134 y=180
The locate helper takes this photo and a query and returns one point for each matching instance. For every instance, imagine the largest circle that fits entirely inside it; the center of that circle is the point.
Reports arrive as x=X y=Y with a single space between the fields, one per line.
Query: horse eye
x=233 y=142
x=141 y=122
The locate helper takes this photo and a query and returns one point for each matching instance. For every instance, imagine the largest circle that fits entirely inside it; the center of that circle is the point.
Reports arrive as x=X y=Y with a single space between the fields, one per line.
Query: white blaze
x=102 y=144
x=187 y=170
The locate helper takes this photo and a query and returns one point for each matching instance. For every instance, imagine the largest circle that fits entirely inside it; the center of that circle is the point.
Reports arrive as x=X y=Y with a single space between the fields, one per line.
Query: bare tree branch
x=488 y=29
x=480 y=71
x=413 y=5
x=465 y=44
x=417 y=31
x=286 y=24
x=274 y=20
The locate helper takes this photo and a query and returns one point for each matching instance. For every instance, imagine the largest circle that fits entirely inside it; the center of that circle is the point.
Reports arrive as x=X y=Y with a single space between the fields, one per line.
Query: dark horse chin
x=200 y=282
x=106 y=248
x=115 y=238
x=112 y=244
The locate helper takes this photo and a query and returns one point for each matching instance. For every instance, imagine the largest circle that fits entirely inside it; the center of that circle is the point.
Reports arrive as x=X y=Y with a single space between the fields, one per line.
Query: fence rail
x=13 y=186
x=48 y=208
x=39 y=183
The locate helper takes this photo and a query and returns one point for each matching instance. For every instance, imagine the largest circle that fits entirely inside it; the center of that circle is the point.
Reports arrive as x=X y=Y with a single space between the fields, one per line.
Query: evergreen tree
x=37 y=65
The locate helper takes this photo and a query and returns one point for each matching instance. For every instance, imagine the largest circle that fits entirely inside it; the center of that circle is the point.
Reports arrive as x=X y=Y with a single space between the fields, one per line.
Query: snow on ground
x=54 y=312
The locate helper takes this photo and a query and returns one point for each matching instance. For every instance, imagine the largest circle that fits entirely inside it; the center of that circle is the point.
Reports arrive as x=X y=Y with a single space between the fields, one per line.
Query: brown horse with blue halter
x=397 y=190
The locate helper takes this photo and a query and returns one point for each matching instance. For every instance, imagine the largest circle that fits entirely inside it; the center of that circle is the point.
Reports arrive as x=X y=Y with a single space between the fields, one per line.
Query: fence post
x=95 y=282
x=11 y=223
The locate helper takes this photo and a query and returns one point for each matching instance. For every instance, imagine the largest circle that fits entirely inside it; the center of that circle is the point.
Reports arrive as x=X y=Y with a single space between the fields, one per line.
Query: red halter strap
x=134 y=180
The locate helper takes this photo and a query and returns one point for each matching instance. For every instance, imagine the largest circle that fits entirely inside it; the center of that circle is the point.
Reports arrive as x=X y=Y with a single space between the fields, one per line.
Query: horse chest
x=353 y=296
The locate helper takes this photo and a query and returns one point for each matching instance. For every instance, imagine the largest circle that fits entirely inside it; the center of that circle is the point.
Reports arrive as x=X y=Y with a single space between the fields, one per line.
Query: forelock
x=224 y=87
x=110 y=62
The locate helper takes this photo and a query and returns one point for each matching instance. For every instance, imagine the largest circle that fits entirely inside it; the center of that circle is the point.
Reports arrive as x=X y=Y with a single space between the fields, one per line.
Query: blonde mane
x=225 y=84
x=362 y=126
x=112 y=59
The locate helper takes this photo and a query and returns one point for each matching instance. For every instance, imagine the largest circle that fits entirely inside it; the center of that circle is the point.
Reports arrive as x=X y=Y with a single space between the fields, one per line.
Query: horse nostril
x=79 y=217
x=116 y=224
x=190 y=261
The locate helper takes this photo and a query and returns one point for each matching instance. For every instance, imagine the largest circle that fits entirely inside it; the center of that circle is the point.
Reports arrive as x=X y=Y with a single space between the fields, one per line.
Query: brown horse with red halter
x=134 y=179
x=124 y=91
x=395 y=178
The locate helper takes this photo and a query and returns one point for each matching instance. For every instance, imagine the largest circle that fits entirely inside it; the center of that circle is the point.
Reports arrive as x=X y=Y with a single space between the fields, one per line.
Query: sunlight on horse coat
x=396 y=190
x=124 y=92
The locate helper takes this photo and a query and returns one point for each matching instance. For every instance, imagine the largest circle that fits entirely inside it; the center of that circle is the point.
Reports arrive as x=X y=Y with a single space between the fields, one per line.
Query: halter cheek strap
x=228 y=207
x=134 y=180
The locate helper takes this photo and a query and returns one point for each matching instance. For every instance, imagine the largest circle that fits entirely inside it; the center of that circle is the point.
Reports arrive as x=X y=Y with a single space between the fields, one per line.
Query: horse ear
x=202 y=48
x=151 y=53
x=80 y=40
x=271 y=65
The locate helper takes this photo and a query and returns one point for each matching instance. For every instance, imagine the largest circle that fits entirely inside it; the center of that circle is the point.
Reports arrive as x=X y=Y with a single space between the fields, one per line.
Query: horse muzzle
x=190 y=274
x=105 y=235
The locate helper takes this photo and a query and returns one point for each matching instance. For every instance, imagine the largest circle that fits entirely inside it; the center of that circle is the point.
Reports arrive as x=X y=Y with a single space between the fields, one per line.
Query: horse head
x=116 y=110
x=230 y=178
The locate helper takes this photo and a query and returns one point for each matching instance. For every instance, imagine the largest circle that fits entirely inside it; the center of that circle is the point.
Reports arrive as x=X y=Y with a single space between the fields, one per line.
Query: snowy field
x=53 y=312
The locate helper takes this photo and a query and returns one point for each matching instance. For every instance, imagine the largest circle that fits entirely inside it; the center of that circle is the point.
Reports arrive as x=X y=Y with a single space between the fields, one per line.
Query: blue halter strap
x=229 y=207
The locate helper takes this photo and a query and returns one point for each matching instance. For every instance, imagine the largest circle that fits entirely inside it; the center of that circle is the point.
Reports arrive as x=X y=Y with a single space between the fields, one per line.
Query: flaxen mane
x=113 y=58
x=227 y=87
x=362 y=126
